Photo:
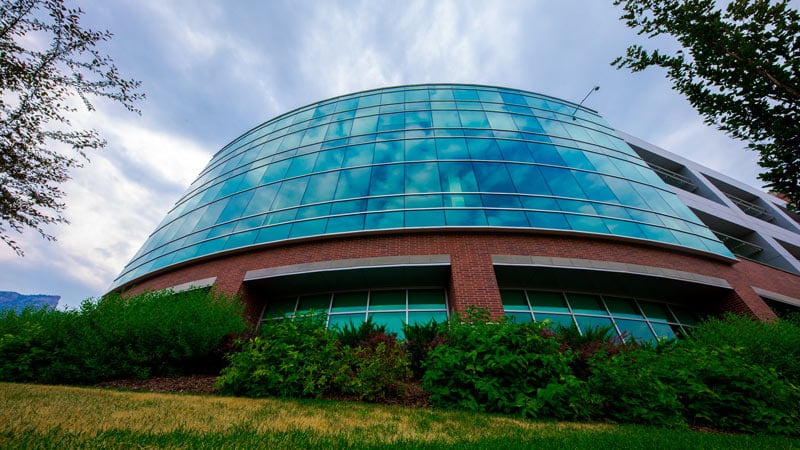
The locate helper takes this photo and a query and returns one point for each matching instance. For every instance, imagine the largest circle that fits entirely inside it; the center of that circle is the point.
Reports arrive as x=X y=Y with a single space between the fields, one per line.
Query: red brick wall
x=473 y=280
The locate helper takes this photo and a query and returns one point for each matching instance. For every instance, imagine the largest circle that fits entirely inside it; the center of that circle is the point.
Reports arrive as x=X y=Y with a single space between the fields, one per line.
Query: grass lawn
x=36 y=416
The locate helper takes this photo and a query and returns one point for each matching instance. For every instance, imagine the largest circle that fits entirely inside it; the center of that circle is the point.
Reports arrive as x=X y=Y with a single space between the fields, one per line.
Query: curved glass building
x=416 y=161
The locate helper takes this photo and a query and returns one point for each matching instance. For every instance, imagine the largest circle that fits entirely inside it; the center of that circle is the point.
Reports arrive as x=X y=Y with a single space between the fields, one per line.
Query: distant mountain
x=18 y=302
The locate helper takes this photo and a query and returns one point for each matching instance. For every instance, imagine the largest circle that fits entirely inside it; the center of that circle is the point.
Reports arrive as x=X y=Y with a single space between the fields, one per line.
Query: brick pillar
x=473 y=282
x=745 y=301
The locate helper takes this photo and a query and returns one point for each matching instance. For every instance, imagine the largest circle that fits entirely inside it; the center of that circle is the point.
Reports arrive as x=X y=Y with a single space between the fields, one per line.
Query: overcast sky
x=212 y=70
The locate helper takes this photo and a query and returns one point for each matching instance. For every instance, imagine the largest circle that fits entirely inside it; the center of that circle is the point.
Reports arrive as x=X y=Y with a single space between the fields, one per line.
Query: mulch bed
x=413 y=394
x=193 y=384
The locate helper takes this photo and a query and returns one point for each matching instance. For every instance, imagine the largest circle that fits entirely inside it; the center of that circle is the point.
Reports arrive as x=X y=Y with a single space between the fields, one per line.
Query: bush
x=420 y=339
x=291 y=358
x=774 y=344
x=377 y=368
x=496 y=367
x=690 y=383
x=160 y=333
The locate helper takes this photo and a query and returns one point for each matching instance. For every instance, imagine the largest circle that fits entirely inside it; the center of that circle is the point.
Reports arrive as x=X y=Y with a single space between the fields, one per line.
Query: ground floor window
x=390 y=307
x=633 y=318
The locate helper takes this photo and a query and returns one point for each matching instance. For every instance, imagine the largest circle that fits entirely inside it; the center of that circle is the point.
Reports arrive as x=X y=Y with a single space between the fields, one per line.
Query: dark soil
x=413 y=394
x=193 y=384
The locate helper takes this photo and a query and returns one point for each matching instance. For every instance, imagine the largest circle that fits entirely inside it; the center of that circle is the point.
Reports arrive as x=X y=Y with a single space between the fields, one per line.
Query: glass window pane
x=341 y=320
x=290 y=193
x=665 y=331
x=391 y=151
x=514 y=300
x=656 y=311
x=465 y=217
x=344 y=224
x=329 y=159
x=561 y=182
x=349 y=301
x=420 y=317
x=387 y=300
x=548 y=301
x=546 y=220
x=484 y=149
x=585 y=223
x=425 y=218
x=458 y=177
x=493 y=177
x=319 y=303
x=308 y=228
x=587 y=324
x=519 y=317
x=422 y=177
x=452 y=148
x=321 y=187
x=506 y=218
x=426 y=299
x=586 y=304
x=635 y=329
x=387 y=180
x=622 y=307
x=377 y=221
x=564 y=320
x=684 y=316
x=280 y=307
x=420 y=150
x=393 y=320
x=527 y=179
x=353 y=183
x=358 y=155
x=363 y=125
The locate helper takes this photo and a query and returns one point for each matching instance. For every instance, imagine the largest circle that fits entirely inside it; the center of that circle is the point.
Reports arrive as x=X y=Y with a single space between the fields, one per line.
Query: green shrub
x=420 y=339
x=719 y=388
x=160 y=333
x=351 y=335
x=689 y=383
x=633 y=389
x=377 y=368
x=774 y=344
x=290 y=358
x=496 y=367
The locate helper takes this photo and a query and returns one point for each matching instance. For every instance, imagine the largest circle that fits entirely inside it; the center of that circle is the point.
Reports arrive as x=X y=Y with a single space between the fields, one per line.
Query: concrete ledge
x=349 y=264
x=607 y=266
x=197 y=284
x=777 y=297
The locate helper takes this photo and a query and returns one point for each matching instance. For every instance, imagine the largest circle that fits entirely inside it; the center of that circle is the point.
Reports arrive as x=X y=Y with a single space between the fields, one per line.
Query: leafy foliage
x=37 y=92
x=160 y=333
x=496 y=367
x=738 y=67
x=290 y=358
x=420 y=339
x=299 y=357
x=772 y=345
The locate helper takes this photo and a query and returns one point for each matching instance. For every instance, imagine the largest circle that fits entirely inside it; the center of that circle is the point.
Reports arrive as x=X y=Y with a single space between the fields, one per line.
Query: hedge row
x=159 y=333
x=732 y=374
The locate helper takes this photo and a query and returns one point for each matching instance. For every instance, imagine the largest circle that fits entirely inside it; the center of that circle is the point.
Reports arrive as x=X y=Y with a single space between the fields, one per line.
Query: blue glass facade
x=421 y=156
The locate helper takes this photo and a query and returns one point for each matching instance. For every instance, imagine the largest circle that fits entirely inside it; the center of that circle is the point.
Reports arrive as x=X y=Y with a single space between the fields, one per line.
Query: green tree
x=48 y=65
x=738 y=66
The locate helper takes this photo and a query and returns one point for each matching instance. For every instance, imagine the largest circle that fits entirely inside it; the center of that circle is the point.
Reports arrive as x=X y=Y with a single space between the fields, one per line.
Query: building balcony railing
x=673 y=178
x=751 y=209
x=739 y=247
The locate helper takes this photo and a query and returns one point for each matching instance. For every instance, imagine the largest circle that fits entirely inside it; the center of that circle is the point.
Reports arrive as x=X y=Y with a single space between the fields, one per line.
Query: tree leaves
x=740 y=68
x=37 y=89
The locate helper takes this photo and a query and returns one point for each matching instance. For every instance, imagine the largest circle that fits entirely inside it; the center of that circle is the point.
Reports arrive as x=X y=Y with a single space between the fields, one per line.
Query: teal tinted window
x=349 y=301
x=383 y=300
x=392 y=308
x=548 y=302
x=358 y=154
x=623 y=315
